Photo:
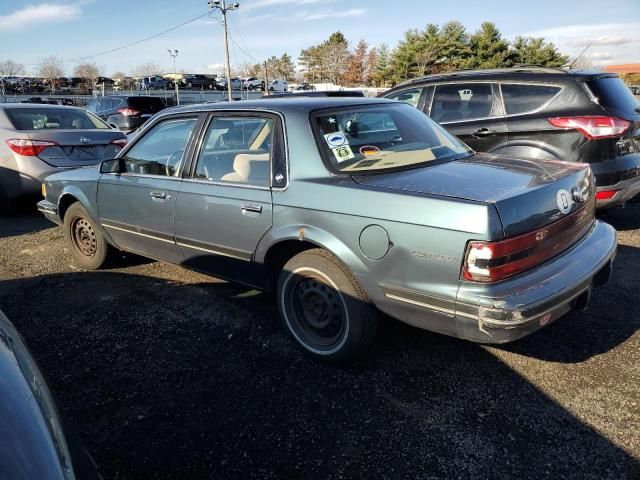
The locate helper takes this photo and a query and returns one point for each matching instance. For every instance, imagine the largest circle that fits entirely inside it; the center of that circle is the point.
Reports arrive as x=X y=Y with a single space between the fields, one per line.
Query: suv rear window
x=146 y=104
x=611 y=92
x=522 y=98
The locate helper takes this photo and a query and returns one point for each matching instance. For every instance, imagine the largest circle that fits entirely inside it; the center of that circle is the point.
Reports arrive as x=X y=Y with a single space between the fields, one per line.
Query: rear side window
x=522 y=98
x=460 y=101
x=146 y=104
x=412 y=97
x=611 y=92
x=53 y=118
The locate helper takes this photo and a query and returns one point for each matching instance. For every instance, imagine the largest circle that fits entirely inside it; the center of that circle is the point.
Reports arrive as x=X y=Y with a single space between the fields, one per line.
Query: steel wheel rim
x=316 y=311
x=83 y=237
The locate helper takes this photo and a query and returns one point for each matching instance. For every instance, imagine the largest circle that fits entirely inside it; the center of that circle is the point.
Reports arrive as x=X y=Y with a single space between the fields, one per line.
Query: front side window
x=161 y=150
x=412 y=96
x=522 y=98
x=53 y=118
x=237 y=150
x=462 y=101
x=382 y=137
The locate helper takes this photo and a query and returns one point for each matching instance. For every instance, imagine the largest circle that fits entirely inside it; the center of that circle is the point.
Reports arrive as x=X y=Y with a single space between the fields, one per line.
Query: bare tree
x=51 y=69
x=89 y=72
x=11 y=68
x=146 y=70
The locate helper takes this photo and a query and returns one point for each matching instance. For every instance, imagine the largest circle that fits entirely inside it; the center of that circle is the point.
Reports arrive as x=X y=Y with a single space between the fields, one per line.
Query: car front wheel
x=87 y=244
x=324 y=308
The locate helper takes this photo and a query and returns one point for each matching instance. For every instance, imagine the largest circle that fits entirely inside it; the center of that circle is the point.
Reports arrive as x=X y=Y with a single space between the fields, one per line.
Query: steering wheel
x=174 y=158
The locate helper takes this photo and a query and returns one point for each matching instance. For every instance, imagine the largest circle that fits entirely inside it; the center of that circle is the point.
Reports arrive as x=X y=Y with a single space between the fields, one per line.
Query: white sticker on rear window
x=343 y=153
x=335 y=139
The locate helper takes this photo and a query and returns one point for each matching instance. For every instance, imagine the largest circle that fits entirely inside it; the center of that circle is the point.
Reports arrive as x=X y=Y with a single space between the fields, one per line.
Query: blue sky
x=30 y=30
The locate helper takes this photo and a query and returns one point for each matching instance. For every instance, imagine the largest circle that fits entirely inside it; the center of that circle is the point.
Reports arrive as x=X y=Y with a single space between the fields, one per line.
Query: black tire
x=251 y=87
x=86 y=242
x=324 y=308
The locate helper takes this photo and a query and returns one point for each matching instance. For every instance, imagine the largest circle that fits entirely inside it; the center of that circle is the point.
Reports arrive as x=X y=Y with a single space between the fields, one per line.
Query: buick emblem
x=85 y=140
x=564 y=201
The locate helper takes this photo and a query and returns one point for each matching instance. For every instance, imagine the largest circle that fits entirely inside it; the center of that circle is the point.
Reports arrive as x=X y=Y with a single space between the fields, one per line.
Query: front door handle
x=252 y=208
x=483 y=132
x=160 y=195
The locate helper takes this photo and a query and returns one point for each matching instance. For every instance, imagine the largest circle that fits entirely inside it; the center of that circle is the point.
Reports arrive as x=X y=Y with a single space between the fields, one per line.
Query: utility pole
x=221 y=4
x=174 y=54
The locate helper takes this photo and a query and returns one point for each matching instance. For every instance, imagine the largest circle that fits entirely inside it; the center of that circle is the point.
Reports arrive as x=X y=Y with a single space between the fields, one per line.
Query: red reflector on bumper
x=606 y=194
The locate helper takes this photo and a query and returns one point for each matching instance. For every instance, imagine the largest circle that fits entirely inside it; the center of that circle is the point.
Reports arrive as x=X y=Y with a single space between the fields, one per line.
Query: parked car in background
x=541 y=113
x=304 y=87
x=221 y=84
x=127 y=112
x=253 y=83
x=156 y=82
x=278 y=86
x=36 y=442
x=37 y=140
x=359 y=205
x=198 y=81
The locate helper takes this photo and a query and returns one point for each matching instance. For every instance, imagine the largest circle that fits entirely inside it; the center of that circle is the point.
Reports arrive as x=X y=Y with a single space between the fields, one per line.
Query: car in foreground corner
x=36 y=443
x=37 y=140
x=346 y=207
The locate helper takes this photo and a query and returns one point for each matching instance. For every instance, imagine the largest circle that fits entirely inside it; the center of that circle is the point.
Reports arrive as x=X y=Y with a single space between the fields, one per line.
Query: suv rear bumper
x=514 y=308
x=625 y=191
x=620 y=174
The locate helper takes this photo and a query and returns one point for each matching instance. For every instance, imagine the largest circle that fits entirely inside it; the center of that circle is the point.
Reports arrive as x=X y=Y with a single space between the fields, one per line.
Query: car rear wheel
x=324 y=308
x=88 y=245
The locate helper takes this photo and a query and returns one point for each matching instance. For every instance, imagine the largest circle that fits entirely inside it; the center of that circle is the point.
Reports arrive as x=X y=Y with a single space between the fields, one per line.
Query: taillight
x=29 y=148
x=606 y=194
x=126 y=111
x=121 y=142
x=492 y=261
x=593 y=127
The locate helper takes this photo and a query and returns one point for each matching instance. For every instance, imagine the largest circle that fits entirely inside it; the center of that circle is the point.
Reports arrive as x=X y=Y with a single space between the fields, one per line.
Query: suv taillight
x=29 y=148
x=126 y=111
x=492 y=261
x=593 y=127
x=121 y=142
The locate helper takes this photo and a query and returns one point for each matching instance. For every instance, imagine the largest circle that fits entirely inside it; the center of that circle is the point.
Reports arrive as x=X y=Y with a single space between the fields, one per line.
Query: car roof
x=283 y=105
x=524 y=72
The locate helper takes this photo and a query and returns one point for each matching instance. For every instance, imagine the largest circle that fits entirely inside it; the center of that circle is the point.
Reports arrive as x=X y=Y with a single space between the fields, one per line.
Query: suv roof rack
x=335 y=93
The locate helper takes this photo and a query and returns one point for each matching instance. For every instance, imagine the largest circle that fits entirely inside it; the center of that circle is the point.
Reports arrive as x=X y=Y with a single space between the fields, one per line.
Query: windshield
x=382 y=137
x=53 y=118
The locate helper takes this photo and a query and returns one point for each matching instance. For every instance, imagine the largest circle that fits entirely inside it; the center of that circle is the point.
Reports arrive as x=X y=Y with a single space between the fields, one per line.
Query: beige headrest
x=248 y=166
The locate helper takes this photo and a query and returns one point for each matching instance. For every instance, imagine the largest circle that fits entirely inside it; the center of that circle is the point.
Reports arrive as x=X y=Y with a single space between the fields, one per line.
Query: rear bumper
x=625 y=191
x=513 y=308
x=621 y=174
x=23 y=176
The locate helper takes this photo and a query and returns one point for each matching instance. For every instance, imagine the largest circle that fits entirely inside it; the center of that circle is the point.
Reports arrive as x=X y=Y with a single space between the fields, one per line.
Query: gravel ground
x=170 y=374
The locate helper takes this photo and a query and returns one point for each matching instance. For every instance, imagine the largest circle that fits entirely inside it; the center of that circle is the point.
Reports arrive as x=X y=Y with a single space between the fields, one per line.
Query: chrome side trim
x=225 y=252
x=49 y=210
x=420 y=304
x=140 y=234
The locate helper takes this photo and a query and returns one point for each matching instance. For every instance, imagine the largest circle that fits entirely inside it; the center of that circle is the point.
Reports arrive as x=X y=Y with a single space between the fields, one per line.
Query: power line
x=150 y=37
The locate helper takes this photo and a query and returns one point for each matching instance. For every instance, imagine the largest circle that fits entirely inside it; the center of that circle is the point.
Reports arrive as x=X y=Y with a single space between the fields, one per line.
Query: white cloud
x=354 y=12
x=603 y=40
x=43 y=13
x=600 y=55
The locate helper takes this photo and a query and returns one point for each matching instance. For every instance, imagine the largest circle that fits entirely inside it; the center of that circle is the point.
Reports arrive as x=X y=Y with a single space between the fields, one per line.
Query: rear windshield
x=611 y=92
x=53 y=118
x=146 y=104
x=382 y=137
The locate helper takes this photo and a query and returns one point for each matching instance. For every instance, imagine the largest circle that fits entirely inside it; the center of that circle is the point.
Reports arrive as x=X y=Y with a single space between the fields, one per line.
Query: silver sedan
x=37 y=140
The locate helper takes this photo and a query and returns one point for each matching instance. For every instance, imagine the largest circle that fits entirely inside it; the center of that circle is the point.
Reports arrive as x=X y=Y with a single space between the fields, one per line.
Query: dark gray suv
x=541 y=113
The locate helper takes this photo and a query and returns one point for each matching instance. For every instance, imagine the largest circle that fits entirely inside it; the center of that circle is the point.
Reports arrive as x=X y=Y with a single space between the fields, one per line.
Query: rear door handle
x=483 y=132
x=160 y=195
x=252 y=208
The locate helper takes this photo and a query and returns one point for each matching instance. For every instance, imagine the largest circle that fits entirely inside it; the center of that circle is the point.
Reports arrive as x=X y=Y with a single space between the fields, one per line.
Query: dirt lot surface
x=170 y=374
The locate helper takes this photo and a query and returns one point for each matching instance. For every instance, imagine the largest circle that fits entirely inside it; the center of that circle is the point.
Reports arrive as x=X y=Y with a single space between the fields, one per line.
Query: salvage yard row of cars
x=348 y=206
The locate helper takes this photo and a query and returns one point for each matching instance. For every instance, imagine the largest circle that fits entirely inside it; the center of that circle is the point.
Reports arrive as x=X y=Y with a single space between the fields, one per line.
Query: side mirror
x=112 y=166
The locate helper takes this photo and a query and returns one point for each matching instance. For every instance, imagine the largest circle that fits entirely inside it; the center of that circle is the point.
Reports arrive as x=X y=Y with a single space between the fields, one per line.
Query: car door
x=137 y=206
x=225 y=208
x=472 y=111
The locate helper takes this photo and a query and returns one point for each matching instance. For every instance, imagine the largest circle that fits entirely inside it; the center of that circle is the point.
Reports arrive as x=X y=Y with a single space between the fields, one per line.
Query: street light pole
x=174 y=54
x=221 y=4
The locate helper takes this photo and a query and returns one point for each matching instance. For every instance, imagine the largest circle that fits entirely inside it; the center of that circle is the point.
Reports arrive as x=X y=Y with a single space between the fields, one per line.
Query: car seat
x=249 y=168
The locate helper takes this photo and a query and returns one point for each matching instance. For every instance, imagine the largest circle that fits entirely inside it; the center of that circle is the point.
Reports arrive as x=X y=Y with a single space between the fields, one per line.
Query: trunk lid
x=77 y=147
x=528 y=194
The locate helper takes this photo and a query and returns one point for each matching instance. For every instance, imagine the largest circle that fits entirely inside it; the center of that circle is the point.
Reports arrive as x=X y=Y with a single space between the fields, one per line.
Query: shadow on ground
x=167 y=380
